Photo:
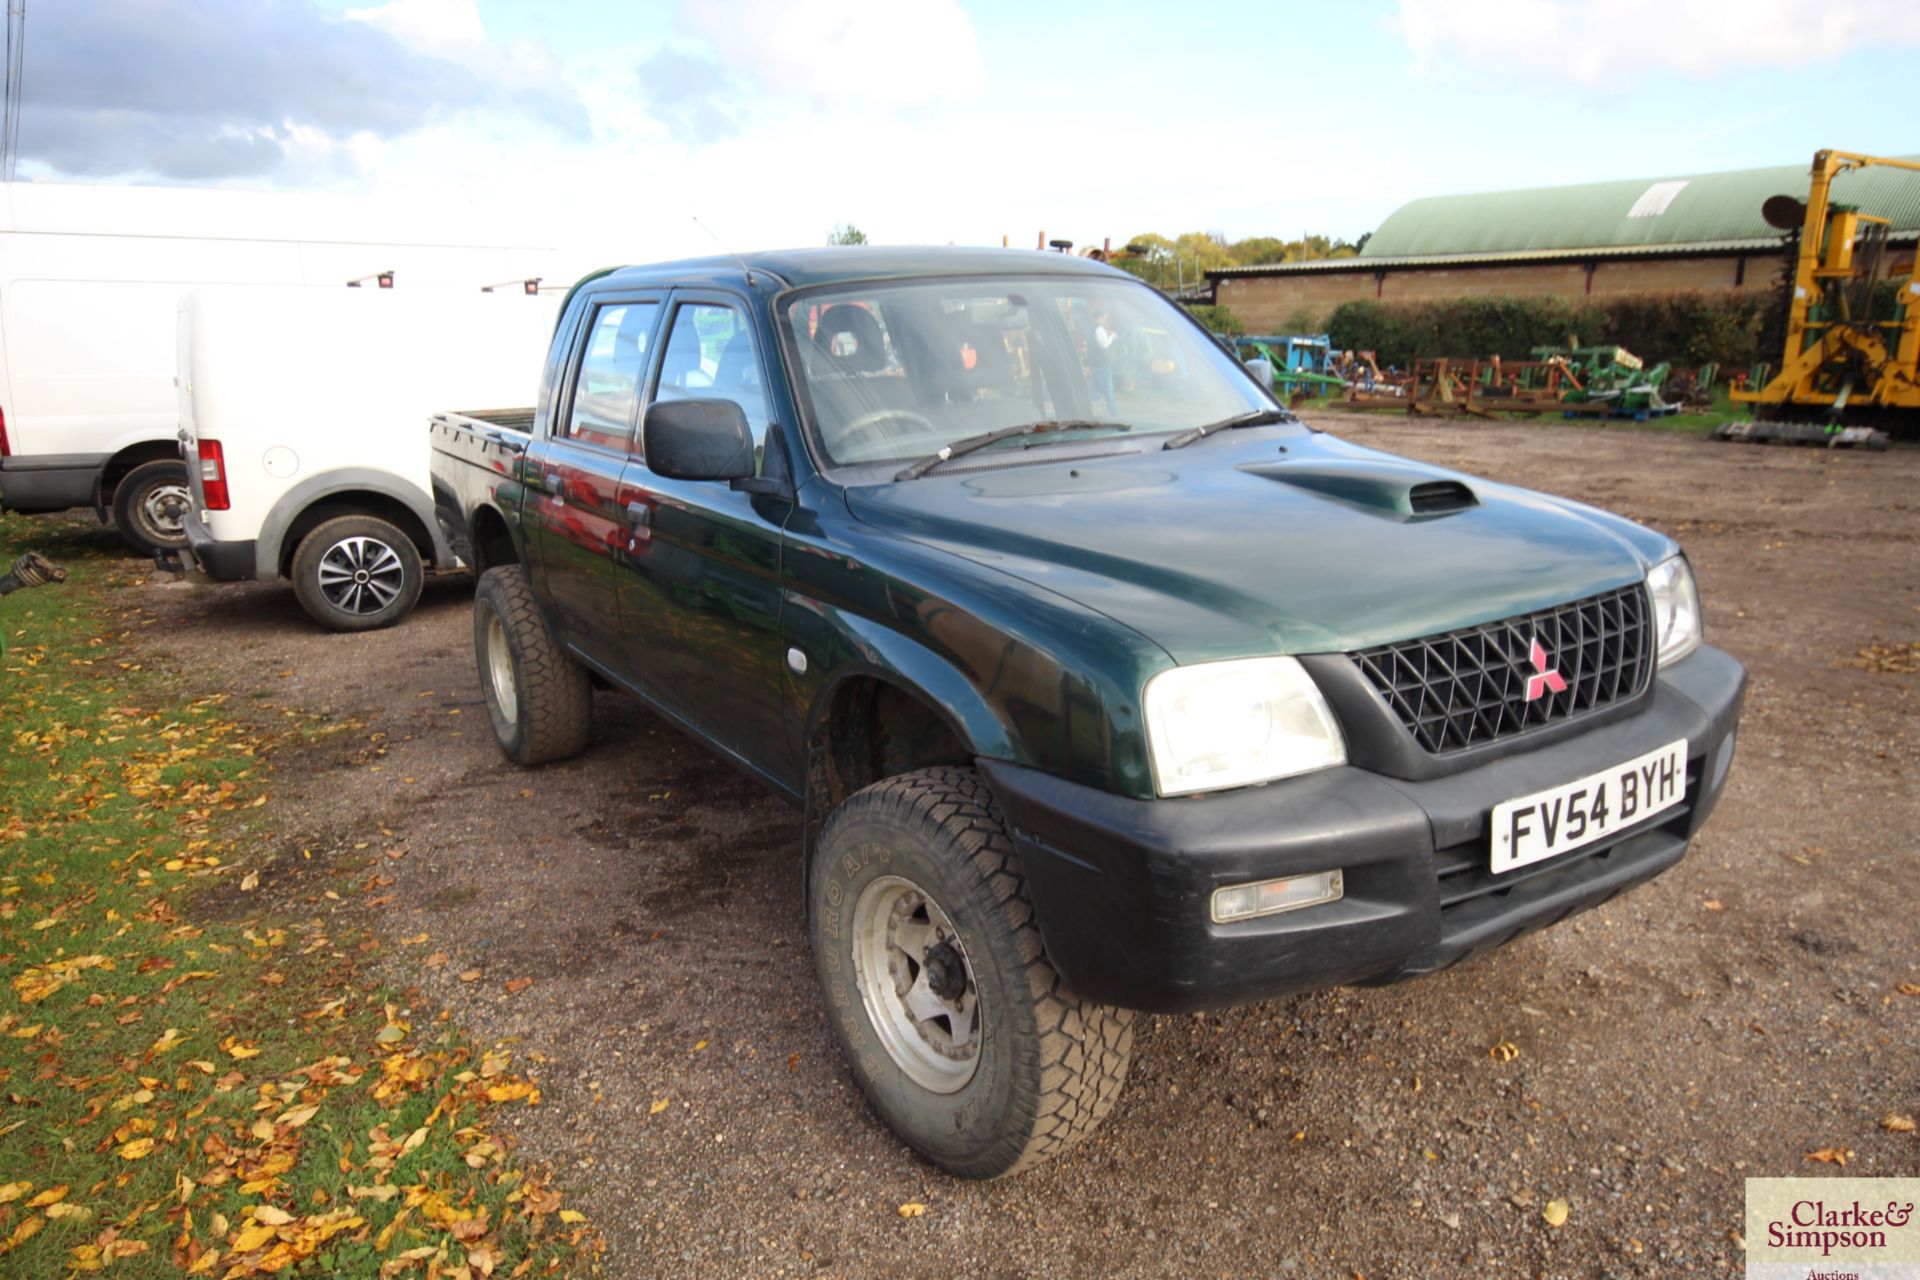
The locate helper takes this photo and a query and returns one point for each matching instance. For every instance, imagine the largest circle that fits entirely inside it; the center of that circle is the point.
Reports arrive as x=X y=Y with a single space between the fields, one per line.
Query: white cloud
x=903 y=53
x=453 y=30
x=1625 y=40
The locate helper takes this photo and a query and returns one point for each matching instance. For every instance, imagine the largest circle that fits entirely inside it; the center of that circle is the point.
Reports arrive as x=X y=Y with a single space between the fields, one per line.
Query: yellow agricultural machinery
x=1844 y=363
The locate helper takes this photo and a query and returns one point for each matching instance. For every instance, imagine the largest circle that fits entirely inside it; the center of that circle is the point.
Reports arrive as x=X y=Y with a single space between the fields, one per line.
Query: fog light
x=1268 y=897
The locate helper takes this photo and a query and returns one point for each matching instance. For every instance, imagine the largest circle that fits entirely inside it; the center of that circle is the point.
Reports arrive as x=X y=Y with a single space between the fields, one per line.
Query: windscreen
x=894 y=372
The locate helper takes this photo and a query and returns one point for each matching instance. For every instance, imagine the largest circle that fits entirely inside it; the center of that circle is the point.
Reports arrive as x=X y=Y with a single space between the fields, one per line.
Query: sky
x=639 y=131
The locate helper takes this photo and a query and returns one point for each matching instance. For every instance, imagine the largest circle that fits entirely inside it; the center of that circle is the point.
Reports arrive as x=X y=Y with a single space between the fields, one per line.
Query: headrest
x=869 y=354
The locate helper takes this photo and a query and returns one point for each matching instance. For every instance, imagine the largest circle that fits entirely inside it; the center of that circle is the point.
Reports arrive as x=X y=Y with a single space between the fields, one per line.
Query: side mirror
x=697 y=440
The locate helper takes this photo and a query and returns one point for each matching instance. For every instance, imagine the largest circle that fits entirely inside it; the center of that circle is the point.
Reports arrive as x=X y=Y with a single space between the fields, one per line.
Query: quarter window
x=610 y=373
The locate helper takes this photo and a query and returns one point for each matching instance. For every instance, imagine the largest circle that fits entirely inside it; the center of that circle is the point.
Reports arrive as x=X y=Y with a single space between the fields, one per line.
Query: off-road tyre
x=544 y=712
x=1049 y=1064
x=349 y=545
x=151 y=507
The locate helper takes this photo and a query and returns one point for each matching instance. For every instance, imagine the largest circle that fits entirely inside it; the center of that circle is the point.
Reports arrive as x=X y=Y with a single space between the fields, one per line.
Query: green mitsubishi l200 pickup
x=1103 y=683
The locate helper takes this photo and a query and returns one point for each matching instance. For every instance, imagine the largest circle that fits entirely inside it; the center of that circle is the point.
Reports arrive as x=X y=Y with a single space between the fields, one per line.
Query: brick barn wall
x=1270 y=304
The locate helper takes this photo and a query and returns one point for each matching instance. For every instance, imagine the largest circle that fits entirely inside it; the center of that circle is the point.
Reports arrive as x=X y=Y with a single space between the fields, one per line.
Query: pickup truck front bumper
x=1122 y=888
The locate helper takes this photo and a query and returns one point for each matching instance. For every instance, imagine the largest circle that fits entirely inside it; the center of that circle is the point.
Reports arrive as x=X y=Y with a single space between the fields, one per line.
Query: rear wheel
x=150 y=506
x=964 y=1037
x=357 y=573
x=539 y=700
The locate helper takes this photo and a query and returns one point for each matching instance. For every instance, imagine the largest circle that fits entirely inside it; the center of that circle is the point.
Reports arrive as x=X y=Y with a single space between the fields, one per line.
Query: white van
x=304 y=413
x=90 y=277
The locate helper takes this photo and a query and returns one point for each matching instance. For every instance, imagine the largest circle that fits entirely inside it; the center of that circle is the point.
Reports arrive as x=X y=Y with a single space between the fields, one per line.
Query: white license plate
x=1577 y=813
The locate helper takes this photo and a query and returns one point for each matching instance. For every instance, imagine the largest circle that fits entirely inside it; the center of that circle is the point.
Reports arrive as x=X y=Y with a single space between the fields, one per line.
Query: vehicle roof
x=802 y=267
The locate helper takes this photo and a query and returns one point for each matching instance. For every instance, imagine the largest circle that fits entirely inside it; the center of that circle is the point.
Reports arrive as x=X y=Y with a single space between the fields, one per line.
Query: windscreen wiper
x=1258 y=418
x=970 y=444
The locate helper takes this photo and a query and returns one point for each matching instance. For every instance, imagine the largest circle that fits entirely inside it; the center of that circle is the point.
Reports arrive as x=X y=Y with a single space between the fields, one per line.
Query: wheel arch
x=119 y=465
x=490 y=539
x=873 y=720
x=350 y=491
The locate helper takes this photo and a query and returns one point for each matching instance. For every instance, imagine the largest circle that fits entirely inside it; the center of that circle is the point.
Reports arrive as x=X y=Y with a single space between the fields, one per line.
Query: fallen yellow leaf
x=913 y=1210
x=14 y=1190
x=67 y=1210
x=572 y=1215
x=251 y=1238
x=659 y=1105
x=22 y=1233
x=52 y=1195
x=138 y=1149
x=1831 y=1155
x=272 y=1215
x=1555 y=1213
x=1895 y=1123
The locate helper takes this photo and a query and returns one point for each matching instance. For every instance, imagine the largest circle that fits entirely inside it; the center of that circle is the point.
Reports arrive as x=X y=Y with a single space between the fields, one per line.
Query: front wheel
x=150 y=506
x=964 y=1037
x=357 y=573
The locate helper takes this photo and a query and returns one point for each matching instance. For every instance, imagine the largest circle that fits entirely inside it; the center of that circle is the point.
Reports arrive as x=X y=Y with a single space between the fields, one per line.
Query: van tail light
x=213 y=477
x=6 y=449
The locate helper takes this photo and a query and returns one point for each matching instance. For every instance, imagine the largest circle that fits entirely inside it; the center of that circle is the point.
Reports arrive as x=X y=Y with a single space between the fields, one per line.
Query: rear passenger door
x=700 y=584
x=574 y=519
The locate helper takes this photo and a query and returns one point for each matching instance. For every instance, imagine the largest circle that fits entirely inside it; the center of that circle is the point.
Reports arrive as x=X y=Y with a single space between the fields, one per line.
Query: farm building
x=1650 y=235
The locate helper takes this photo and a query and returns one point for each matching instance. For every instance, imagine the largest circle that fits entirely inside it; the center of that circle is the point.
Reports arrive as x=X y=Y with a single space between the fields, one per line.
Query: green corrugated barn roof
x=1712 y=209
x=1639 y=217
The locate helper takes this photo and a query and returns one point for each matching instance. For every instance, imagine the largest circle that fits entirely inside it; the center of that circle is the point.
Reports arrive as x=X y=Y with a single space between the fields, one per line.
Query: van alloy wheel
x=361 y=575
x=357 y=573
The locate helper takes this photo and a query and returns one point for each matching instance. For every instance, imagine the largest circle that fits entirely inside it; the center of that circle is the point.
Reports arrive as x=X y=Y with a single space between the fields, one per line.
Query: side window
x=710 y=356
x=610 y=373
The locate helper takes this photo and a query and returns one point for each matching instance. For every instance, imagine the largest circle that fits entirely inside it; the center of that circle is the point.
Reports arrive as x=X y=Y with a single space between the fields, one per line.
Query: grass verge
x=220 y=1093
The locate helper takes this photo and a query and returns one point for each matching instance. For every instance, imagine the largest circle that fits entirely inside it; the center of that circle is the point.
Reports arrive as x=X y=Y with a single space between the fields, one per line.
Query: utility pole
x=16 y=65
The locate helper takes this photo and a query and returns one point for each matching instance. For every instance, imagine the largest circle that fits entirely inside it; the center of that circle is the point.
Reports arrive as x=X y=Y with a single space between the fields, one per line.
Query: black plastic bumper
x=1123 y=888
x=226 y=561
x=50 y=482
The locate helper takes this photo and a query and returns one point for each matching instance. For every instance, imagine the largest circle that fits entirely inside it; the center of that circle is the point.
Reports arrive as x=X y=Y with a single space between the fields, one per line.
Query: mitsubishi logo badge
x=1544 y=676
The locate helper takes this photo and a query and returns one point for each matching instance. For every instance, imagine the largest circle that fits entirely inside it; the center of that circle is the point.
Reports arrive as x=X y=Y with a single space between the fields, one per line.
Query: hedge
x=1684 y=328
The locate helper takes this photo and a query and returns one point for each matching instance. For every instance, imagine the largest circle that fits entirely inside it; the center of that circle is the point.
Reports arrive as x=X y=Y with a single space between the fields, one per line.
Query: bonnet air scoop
x=1438 y=497
x=1391 y=488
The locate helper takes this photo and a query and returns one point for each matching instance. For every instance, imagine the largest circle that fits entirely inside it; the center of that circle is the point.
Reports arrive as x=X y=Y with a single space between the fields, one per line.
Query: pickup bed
x=1101 y=682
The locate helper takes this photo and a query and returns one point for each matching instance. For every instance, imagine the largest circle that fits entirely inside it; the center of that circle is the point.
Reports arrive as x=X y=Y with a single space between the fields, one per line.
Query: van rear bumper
x=50 y=481
x=221 y=561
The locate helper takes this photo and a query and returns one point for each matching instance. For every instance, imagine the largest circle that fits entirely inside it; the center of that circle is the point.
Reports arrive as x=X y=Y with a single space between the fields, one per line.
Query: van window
x=610 y=371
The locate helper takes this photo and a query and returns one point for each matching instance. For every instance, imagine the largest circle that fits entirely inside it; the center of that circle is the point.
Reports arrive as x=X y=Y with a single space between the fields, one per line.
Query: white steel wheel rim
x=163 y=509
x=361 y=575
x=500 y=671
x=917 y=984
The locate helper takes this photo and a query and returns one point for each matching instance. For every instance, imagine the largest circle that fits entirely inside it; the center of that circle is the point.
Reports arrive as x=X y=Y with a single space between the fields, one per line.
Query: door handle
x=552 y=482
x=639 y=514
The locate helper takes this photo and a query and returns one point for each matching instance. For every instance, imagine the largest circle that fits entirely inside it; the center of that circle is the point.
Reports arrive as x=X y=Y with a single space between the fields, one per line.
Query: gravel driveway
x=1637 y=1062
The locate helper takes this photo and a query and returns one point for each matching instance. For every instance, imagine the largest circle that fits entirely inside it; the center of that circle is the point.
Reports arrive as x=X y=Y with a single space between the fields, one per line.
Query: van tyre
x=357 y=573
x=151 y=505
x=539 y=700
x=965 y=1039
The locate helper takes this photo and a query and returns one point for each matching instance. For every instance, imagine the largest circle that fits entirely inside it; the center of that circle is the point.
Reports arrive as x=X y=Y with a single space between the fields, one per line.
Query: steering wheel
x=870 y=422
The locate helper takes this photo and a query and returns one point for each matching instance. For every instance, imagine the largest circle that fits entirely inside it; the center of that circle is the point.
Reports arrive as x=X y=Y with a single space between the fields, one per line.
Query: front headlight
x=1676 y=608
x=1228 y=724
